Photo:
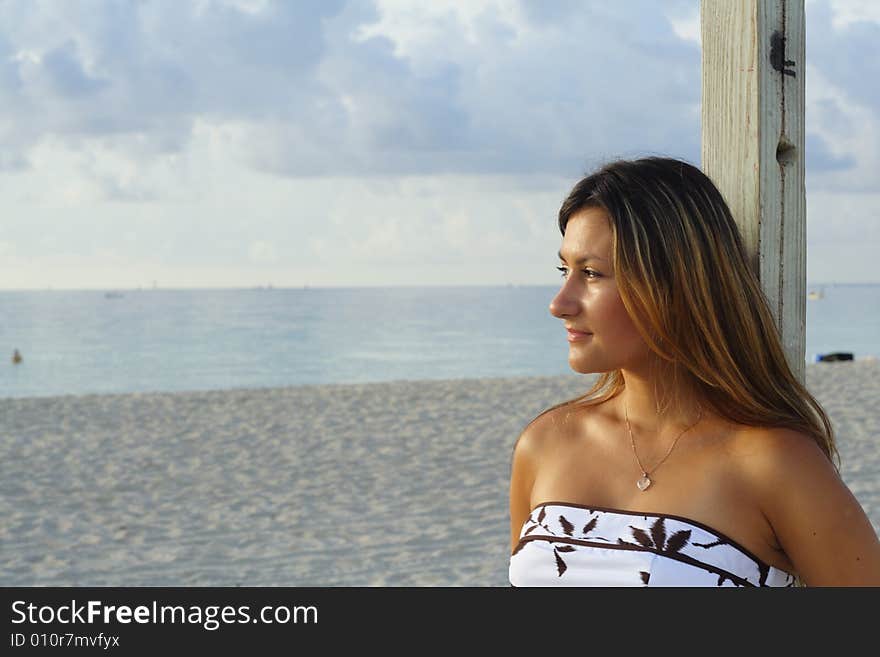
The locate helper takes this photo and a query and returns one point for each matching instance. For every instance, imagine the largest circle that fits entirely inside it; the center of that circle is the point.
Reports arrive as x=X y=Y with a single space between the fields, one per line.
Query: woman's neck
x=656 y=410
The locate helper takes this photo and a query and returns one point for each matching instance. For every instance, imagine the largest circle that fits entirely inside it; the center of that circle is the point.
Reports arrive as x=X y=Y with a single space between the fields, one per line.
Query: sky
x=331 y=143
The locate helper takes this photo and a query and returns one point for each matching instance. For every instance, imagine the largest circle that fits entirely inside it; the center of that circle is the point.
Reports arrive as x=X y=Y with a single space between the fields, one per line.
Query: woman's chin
x=581 y=367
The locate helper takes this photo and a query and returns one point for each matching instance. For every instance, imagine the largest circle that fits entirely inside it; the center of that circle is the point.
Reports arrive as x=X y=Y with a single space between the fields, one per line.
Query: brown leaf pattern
x=678 y=540
x=560 y=564
x=590 y=526
x=567 y=527
x=642 y=537
x=657 y=540
x=658 y=533
x=651 y=536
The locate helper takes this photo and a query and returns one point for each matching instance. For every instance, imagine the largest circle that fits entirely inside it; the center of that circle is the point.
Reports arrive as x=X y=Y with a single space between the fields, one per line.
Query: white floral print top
x=563 y=544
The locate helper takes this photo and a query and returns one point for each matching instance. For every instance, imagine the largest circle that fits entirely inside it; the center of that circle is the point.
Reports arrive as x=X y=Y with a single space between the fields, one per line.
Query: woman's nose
x=563 y=304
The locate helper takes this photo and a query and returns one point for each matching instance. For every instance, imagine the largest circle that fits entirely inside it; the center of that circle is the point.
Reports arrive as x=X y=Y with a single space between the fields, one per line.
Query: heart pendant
x=643 y=483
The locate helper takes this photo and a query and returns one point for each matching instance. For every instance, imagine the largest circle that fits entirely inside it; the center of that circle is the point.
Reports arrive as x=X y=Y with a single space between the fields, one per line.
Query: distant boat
x=113 y=295
x=816 y=294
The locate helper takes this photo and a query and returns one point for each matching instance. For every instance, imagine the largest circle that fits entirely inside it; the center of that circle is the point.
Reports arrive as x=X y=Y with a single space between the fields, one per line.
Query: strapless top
x=564 y=544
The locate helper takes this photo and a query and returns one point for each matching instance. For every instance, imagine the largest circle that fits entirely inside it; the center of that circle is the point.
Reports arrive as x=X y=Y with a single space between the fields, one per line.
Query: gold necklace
x=645 y=481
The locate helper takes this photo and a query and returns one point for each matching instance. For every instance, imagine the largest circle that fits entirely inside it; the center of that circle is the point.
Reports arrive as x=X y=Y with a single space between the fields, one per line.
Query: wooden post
x=753 y=144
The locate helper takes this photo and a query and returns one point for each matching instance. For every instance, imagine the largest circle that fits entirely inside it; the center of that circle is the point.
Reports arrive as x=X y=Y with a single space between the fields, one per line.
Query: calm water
x=83 y=342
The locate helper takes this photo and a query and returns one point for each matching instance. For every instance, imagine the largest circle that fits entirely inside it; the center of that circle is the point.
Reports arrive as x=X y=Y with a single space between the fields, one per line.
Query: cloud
x=330 y=88
x=842 y=108
x=544 y=95
x=853 y=11
x=820 y=158
x=153 y=69
x=371 y=142
x=66 y=75
x=389 y=88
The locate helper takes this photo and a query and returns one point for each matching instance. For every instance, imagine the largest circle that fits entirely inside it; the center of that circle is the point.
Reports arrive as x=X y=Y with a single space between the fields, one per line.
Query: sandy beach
x=388 y=484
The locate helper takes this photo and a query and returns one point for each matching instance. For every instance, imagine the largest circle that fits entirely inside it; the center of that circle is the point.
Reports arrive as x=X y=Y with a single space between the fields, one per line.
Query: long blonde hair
x=685 y=280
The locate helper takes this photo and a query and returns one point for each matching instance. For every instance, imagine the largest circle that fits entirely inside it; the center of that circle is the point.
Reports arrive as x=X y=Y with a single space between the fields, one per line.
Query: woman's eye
x=588 y=272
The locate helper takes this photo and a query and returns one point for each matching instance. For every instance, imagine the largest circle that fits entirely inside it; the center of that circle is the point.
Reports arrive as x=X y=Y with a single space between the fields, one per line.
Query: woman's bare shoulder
x=780 y=465
x=553 y=427
x=763 y=449
x=817 y=520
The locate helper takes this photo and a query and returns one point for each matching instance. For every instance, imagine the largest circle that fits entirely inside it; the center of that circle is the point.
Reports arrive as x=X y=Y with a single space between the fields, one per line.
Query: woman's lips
x=574 y=336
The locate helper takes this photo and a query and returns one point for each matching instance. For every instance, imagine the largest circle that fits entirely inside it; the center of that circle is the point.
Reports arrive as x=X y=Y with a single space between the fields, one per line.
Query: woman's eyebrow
x=584 y=258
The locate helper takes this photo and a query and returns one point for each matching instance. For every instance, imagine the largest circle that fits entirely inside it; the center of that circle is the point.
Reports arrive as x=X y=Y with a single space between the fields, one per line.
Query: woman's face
x=589 y=301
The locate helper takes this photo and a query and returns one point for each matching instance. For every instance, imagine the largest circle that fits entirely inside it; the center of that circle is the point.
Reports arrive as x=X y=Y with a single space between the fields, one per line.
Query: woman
x=697 y=458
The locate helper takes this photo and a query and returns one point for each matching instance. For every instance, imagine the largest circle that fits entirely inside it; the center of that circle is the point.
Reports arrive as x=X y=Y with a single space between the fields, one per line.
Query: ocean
x=83 y=342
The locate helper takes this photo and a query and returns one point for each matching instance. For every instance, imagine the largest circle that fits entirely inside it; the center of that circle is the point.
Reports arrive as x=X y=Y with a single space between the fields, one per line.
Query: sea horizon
x=272 y=286
x=117 y=341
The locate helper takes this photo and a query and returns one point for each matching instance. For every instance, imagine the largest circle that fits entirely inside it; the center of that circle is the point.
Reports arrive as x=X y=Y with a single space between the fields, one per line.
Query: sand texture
x=389 y=484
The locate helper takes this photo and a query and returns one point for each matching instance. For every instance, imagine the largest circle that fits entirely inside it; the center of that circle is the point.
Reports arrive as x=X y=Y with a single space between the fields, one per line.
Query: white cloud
x=337 y=143
x=244 y=6
x=313 y=90
x=854 y=11
x=849 y=133
x=686 y=24
x=421 y=31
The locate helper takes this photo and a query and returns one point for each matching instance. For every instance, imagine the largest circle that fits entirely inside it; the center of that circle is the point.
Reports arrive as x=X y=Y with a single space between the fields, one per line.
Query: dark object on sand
x=837 y=355
x=16 y=357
